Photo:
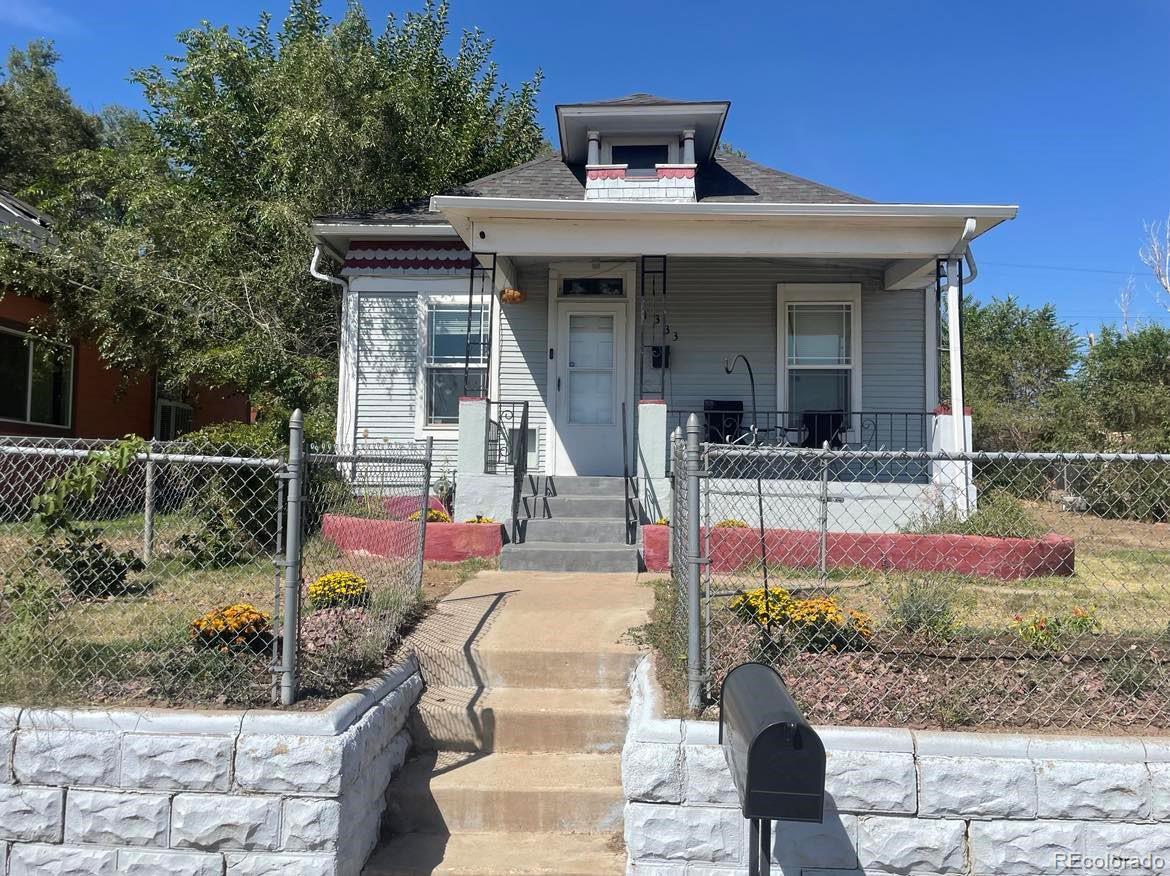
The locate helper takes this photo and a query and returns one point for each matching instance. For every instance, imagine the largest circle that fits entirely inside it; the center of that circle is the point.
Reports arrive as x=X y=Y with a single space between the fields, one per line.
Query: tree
x=1124 y=384
x=39 y=123
x=1016 y=361
x=183 y=240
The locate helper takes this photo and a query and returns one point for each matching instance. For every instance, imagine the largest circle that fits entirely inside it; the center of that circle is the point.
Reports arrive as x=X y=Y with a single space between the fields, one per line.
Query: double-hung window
x=820 y=356
x=449 y=346
x=36 y=380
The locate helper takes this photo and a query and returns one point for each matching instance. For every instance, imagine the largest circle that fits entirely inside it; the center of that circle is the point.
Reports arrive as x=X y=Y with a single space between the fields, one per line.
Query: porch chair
x=722 y=421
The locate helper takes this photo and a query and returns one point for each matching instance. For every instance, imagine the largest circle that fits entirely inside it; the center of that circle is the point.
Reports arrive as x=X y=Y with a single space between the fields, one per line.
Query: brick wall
x=190 y=792
x=905 y=802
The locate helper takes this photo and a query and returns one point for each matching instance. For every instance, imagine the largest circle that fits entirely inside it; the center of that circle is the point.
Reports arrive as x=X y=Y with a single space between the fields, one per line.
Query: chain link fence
x=930 y=589
x=160 y=572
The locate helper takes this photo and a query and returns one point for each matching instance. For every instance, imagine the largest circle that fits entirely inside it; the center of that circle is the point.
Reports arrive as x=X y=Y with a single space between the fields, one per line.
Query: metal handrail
x=519 y=471
x=630 y=523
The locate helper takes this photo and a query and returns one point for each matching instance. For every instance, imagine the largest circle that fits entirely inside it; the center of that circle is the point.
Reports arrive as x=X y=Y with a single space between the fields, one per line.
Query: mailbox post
x=776 y=759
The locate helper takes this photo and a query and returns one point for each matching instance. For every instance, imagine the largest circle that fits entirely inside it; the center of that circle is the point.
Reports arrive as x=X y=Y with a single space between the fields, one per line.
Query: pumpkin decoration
x=512 y=296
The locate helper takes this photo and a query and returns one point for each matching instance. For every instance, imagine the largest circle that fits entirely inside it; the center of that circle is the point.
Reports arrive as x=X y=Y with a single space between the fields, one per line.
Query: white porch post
x=955 y=345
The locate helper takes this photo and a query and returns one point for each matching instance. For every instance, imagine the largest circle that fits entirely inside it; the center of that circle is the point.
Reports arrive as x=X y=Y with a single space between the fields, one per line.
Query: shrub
x=236 y=627
x=217 y=544
x=244 y=495
x=999 y=514
x=478 y=518
x=434 y=515
x=817 y=623
x=731 y=523
x=923 y=606
x=1041 y=630
x=91 y=568
x=765 y=607
x=338 y=589
x=1130 y=676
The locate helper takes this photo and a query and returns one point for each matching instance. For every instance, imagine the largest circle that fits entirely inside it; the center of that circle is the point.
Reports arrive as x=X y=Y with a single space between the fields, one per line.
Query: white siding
x=523 y=366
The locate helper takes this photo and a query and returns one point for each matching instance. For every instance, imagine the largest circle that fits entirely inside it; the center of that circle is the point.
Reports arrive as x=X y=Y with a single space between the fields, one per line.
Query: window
x=171 y=419
x=640 y=159
x=819 y=344
x=611 y=287
x=37 y=380
x=448 y=344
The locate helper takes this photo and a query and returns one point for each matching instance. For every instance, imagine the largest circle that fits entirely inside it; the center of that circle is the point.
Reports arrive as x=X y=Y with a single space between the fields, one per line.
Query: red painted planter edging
x=446 y=542
x=1004 y=558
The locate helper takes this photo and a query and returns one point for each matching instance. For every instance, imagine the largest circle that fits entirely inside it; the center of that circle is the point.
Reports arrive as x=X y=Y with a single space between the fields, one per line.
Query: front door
x=590 y=387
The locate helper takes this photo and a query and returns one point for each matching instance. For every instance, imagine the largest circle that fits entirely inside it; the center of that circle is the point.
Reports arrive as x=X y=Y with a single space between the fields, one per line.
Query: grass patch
x=999 y=515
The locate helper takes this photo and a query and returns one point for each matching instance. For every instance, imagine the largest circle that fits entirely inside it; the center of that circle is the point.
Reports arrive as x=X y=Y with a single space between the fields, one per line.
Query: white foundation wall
x=911 y=803
x=198 y=792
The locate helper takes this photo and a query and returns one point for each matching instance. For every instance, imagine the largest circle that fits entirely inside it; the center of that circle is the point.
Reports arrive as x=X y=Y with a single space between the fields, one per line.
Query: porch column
x=652 y=449
x=594 y=148
x=955 y=345
x=473 y=421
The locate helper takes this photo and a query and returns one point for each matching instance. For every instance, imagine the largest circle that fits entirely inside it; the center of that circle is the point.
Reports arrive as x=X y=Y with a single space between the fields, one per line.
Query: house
x=601 y=294
x=55 y=390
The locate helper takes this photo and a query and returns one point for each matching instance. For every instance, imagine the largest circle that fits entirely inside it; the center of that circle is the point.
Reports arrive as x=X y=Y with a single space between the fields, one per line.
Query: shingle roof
x=728 y=178
x=641 y=98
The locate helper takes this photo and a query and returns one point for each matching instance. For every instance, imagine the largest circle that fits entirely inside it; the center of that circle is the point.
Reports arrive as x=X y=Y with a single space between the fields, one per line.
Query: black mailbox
x=777 y=761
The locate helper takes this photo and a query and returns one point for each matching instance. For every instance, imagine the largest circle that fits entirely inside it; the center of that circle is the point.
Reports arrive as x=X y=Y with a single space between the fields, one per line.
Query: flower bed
x=984 y=556
x=446 y=542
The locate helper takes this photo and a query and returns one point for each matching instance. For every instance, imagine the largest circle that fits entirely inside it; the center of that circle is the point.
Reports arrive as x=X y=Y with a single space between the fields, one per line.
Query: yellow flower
x=338 y=588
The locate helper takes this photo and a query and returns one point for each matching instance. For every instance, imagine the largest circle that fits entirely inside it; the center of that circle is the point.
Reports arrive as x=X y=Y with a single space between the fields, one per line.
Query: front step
x=549 y=485
x=520 y=719
x=416 y=854
x=538 y=556
x=594 y=507
x=509 y=793
x=579 y=530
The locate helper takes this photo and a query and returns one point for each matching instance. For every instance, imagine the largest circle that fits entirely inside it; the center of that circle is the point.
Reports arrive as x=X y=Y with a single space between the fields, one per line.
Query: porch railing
x=869 y=430
x=519 y=470
x=504 y=433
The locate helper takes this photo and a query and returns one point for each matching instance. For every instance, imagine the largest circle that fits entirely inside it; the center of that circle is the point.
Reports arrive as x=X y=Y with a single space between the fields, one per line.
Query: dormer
x=640 y=147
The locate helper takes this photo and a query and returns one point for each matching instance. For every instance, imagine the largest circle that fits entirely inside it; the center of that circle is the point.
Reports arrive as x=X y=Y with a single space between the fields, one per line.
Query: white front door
x=590 y=386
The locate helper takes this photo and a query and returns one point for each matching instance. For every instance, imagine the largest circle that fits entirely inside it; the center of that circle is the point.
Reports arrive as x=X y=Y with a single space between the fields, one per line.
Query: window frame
x=845 y=294
x=428 y=300
x=31 y=341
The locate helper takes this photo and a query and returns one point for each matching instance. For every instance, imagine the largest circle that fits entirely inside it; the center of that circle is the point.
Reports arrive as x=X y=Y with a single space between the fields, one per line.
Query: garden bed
x=445 y=542
x=1006 y=559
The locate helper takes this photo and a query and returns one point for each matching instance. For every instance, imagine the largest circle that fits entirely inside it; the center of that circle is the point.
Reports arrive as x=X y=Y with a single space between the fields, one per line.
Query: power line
x=1056 y=268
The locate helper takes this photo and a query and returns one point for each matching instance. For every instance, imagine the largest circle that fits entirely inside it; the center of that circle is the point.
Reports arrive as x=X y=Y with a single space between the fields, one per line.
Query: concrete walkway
x=519 y=734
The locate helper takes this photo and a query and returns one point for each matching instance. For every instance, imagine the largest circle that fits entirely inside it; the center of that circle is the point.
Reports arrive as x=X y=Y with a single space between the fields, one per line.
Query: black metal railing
x=503 y=434
x=631 y=504
x=519 y=470
x=730 y=423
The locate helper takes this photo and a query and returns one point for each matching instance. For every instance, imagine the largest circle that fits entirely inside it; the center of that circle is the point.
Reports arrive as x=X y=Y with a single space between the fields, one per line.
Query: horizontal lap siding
x=523 y=370
x=387 y=368
x=893 y=373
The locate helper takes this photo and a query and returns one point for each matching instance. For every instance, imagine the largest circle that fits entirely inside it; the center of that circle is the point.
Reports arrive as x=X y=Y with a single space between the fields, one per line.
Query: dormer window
x=641 y=159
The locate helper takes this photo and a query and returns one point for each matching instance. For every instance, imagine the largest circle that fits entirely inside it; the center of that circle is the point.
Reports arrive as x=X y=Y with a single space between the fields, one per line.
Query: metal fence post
x=292 y=559
x=694 y=563
x=424 y=507
x=148 y=512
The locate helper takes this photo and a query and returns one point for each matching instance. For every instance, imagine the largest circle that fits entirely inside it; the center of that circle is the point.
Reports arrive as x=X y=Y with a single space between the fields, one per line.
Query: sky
x=1062 y=108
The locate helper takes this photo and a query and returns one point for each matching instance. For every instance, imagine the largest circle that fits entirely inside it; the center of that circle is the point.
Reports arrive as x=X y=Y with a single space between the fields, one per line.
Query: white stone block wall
x=202 y=793
x=904 y=803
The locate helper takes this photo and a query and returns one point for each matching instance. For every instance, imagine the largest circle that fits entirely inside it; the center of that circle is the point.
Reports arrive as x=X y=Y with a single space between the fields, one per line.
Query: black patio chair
x=822 y=426
x=722 y=421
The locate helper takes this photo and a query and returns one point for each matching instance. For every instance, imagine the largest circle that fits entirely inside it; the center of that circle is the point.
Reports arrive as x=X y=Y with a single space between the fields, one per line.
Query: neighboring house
x=639 y=262
x=57 y=390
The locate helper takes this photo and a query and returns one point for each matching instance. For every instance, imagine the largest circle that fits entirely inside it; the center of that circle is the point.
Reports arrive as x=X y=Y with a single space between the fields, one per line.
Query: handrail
x=519 y=471
x=630 y=524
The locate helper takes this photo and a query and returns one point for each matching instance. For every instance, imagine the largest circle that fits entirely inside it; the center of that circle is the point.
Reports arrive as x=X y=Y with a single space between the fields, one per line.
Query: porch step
x=551 y=485
x=539 y=556
x=511 y=793
x=507 y=719
x=562 y=530
x=552 y=854
x=612 y=507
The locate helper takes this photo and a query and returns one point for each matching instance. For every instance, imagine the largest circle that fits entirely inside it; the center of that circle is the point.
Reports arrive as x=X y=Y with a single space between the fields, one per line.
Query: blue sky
x=1062 y=108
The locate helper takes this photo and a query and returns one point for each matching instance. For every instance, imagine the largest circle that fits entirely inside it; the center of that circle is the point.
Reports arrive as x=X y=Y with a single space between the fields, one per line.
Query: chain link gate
x=928 y=589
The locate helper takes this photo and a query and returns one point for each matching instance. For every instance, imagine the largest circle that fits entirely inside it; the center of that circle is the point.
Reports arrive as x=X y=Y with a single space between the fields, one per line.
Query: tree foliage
x=181 y=234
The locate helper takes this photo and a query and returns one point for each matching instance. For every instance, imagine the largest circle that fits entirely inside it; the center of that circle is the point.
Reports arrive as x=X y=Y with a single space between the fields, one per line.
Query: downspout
x=955 y=282
x=342 y=360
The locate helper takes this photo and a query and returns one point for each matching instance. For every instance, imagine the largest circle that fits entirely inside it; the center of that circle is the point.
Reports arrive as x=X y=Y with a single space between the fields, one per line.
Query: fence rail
x=926 y=588
x=176 y=572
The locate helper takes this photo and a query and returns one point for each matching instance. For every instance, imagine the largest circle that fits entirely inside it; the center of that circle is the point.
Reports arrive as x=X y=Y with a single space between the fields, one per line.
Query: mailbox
x=777 y=761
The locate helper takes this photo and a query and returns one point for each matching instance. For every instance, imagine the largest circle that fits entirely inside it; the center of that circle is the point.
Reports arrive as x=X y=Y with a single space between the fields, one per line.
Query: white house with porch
x=549 y=326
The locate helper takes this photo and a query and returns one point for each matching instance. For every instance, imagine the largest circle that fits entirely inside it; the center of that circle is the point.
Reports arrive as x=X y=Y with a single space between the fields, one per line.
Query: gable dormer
x=640 y=147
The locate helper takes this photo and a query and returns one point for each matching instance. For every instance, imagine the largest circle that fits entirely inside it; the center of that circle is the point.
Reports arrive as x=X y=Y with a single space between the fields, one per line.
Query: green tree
x=182 y=236
x=1017 y=361
x=1124 y=388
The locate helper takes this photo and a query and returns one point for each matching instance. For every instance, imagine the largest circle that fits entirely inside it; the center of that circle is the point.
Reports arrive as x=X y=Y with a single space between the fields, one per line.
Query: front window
x=641 y=159
x=449 y=347
x=820 y=357
x=36 y=378
x=172 y=419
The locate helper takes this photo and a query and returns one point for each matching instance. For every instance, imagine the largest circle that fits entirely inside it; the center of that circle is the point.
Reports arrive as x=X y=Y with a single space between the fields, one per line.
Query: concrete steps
x=475 y=853
x=517 y=764
x=553 y=557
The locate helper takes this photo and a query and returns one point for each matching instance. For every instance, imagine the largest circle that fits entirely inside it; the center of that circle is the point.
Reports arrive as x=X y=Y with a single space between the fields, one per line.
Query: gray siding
x=386 y=369
x=523 y=367
x=893 y=339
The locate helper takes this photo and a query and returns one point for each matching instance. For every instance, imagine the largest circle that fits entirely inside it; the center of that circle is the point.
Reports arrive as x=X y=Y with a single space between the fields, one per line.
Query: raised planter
x=1005 y=558
x=446 y=542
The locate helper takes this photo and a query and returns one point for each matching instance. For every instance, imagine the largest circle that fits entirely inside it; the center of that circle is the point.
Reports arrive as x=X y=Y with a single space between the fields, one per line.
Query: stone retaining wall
x=198 y=792
x=905 y=802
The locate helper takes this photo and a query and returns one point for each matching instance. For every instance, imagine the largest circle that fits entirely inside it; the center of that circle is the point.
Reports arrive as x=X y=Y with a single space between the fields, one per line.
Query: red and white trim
x=392 y=257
